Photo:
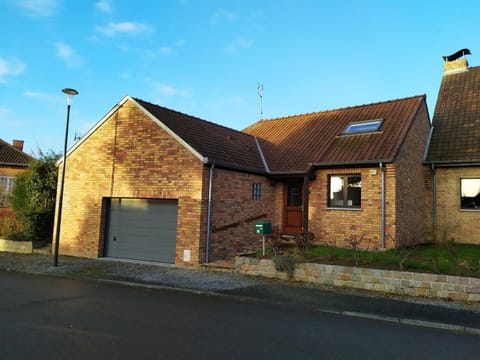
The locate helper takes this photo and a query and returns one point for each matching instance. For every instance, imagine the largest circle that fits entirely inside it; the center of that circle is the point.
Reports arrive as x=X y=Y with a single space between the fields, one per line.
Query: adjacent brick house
x=150 y=183
x=454 y=154
x=13 y=161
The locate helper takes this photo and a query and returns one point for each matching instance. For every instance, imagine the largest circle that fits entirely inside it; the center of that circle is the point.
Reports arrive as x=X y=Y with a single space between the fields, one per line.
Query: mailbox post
x=263 y=228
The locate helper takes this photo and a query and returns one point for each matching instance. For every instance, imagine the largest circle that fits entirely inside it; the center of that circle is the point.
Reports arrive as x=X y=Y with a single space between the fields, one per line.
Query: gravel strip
x=126 y=271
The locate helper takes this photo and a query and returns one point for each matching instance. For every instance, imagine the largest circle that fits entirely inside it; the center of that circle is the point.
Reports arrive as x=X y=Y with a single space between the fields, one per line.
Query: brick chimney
x=18 y=144
x=456 y=66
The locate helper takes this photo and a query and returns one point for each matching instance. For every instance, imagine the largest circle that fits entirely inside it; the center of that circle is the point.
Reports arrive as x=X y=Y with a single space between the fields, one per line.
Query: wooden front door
x=293 y=207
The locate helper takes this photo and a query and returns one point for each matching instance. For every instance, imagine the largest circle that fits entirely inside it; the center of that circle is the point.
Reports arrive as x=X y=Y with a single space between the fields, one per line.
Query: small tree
x=33 y=196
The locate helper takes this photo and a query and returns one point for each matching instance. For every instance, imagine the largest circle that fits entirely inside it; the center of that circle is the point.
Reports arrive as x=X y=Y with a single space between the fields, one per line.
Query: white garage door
x=142 y=229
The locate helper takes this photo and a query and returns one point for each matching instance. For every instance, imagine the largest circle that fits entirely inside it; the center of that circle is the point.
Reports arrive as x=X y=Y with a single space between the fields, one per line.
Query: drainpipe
x=434 y=180
x=209 y=213
x=382 y=169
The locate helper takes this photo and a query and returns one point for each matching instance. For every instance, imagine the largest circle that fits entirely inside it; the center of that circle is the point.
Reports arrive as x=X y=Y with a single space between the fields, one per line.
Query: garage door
x=142 y=229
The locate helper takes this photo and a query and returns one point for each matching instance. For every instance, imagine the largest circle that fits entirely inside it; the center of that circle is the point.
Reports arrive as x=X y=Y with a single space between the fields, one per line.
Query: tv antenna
x=260 y=95
x=77 y=136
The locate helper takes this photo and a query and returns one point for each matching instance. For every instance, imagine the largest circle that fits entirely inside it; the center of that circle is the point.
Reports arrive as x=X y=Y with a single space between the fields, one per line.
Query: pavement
x=458 y=317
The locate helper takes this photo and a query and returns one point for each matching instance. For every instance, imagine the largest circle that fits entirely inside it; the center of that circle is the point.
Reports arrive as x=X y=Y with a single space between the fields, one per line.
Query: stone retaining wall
x=387 y=281
x=23 y=247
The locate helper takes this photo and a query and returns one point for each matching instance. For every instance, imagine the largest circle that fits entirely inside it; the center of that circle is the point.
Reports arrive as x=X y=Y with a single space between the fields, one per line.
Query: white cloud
x=68 y=55
x=41 y=96
x=11 y=67
x=238 y=44
x=168 y=90
x=125 y=27
x=166 y=50
x=104 y=6
x=221 y=16
x=38 y=8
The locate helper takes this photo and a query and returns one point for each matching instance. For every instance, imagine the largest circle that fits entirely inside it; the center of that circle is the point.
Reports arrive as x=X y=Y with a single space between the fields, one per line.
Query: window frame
x=350 y=128
x=6 y=186
x=477 y=202
x=257 y=191
x=8 y=181
x=345 y=187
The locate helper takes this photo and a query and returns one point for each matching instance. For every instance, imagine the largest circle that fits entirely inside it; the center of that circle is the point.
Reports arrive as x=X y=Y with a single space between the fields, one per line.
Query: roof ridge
x=191 y=116
x=344 y=108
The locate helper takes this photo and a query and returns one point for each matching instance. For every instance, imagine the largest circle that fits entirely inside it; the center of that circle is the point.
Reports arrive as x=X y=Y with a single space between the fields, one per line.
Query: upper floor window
x=470 y=193
x=363 y=126
x=345 y=191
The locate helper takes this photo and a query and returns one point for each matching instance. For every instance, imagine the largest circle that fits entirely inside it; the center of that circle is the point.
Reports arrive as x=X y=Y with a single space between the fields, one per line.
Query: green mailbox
x=263 y=227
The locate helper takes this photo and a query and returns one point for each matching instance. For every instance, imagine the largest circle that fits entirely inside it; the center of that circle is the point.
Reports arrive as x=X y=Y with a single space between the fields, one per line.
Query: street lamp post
x=69 y=92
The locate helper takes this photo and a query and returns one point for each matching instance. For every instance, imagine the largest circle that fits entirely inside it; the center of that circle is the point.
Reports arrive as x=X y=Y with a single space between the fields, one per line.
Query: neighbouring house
x=13 y=161
x=454 y=154
x=150 y=183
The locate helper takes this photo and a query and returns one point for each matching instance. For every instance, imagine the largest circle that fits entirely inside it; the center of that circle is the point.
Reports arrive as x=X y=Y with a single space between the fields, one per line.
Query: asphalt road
x=53 y=318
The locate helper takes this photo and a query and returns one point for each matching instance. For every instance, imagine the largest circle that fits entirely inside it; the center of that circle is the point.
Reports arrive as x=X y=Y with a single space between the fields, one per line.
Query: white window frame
x=472 y=189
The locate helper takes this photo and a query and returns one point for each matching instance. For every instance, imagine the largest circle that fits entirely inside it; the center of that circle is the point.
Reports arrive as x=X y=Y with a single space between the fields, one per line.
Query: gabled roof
x=456 y=121
x=11 y=156
x=218 y=144
x=293 y=143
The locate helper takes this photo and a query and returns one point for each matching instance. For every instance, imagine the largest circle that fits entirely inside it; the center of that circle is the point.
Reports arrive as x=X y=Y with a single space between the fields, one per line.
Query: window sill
x=470 y=210
x=343 y=208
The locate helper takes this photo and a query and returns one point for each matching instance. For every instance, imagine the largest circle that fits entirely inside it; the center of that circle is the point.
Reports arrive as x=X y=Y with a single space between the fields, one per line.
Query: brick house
x=13 y=161
x=154 y=184
x=454 y=154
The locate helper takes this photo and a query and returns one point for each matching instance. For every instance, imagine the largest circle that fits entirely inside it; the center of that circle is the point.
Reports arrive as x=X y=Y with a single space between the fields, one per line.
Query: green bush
x=38 y=224
x=33 y=198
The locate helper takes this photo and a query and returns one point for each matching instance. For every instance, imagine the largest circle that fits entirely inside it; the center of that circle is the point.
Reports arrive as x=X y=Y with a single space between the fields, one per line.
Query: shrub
x=33 y=197
x=286 y=264
x=9 y=224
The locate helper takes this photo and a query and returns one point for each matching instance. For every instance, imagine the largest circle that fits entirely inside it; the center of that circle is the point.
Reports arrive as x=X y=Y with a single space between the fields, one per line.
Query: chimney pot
x=18 y=144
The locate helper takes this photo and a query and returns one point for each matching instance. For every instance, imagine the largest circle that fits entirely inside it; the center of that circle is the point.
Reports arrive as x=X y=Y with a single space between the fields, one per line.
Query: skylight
x=363 y=126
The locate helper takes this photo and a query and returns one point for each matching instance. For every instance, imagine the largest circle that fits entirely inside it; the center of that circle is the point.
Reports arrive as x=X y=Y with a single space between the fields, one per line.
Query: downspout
x=382 y=169
x=209 y=213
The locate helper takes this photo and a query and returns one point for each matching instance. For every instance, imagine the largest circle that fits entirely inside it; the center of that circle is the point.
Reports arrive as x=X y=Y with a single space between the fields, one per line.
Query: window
x=363 y=126
x=345 y=191
x=6 y=186
x=294 y=193
x=6 y=183
x=257 y=191
x=470 y=193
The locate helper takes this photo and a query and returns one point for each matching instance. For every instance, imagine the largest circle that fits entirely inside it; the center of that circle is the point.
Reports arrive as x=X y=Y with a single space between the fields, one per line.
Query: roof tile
x=456 y=121
x=292 y=143
x=11 y=156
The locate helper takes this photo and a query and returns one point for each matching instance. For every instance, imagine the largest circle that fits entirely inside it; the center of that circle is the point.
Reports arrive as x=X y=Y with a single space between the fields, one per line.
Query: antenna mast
x=260 y=94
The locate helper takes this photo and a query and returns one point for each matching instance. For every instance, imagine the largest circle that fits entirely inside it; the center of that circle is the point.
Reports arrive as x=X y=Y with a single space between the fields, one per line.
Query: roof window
x=363 y=126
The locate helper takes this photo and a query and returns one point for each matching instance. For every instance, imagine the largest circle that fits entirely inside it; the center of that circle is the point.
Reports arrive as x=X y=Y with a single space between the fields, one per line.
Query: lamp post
x=69 y=92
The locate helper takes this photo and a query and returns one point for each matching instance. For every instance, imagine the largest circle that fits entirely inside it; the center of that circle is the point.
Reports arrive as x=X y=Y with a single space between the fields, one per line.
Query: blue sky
x=207 y=57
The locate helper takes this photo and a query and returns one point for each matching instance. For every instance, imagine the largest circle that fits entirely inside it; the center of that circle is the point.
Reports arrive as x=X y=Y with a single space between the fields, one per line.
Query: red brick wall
x=333 y=226
x=129 y=155
x=234 y=212
x=412 y=194
x=454 y=223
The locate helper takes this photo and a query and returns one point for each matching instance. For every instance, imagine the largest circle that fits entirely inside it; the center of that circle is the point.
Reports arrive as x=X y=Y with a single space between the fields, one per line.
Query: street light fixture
x=69 y=92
